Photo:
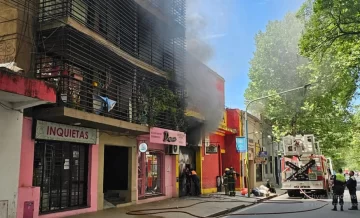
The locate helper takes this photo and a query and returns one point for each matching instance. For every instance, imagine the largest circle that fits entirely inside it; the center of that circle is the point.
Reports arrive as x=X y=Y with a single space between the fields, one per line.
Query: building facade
x=111 y=70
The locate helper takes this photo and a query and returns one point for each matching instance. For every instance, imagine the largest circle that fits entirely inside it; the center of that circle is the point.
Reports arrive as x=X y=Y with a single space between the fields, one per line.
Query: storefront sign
x=143 y=147
x=167 y=137
x=61 y=132
x=212 y=149
x=241 y=144
x=263 y=154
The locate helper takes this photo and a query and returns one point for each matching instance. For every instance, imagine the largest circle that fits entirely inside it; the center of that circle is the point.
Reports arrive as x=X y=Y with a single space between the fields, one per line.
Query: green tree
x=277 y=66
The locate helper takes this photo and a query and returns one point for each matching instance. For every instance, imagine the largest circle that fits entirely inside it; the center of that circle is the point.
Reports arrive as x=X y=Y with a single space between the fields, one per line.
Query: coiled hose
x=175 y=209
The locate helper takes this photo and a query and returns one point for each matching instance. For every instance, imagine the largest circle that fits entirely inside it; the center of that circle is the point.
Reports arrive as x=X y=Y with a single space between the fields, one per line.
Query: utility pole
x=246 y=126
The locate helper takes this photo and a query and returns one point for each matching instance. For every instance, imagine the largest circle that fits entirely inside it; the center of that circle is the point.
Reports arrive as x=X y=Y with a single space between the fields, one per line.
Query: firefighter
x=226 y=181
x=351 y=185
x=339 y=183
x=231 y=174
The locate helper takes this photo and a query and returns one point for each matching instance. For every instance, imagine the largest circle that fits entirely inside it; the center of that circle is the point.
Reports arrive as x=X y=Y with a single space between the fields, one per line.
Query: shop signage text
x=167 y=137
x=61 y=132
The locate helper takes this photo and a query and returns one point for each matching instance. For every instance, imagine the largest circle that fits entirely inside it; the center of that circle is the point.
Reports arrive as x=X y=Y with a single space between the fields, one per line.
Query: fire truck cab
x=303 y=166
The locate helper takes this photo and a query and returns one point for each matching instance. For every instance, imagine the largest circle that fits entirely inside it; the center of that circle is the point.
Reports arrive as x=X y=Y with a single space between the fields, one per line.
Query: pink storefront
x=58 y=170
x=157 y=164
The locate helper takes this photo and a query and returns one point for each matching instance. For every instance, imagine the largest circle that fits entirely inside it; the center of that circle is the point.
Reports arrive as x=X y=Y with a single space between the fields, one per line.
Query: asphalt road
x=283 y=204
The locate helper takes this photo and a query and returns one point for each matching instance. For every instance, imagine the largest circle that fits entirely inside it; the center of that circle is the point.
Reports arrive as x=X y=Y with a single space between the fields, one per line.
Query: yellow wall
x=199 y=158
x=113 y=140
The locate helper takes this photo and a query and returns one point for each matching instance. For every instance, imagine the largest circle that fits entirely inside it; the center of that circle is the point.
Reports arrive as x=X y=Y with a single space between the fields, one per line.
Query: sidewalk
x=204 y=206
x=239 y=196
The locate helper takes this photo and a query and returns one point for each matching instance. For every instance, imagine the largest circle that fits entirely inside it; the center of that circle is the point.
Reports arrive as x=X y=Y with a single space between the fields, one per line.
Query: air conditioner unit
x=172 y=149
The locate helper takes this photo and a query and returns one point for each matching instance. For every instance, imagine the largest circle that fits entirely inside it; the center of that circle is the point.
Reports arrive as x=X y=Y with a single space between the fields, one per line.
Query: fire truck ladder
x=299 y=172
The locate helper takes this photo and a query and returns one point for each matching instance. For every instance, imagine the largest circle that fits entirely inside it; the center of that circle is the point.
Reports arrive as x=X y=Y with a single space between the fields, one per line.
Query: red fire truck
x=303 y=166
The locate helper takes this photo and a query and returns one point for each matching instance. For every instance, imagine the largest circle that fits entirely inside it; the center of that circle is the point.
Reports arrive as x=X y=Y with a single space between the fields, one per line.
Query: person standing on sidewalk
x=351 y=185
x=338 y=190
x=196 y=182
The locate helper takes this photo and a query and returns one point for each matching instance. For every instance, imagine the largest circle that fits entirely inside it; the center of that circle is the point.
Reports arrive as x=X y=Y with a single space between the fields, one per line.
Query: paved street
x=283 y=204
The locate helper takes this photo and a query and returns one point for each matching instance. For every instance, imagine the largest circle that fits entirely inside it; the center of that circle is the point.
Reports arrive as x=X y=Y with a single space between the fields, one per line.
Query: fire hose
x=175 y=209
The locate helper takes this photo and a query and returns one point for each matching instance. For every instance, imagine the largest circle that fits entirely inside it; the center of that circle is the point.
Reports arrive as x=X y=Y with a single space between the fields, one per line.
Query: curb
x=230 y=210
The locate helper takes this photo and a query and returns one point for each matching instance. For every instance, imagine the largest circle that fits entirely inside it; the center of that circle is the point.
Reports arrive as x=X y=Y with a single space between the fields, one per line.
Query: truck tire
x=290 y=194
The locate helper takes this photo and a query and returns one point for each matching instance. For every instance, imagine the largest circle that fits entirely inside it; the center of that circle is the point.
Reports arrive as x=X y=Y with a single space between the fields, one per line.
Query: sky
x=230 y=30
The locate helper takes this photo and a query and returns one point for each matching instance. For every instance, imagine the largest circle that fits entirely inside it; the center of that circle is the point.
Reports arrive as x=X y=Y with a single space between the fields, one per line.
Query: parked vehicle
x=304 y=168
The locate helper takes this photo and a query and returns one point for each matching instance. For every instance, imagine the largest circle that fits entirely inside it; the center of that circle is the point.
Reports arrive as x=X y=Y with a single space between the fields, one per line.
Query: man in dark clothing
x=188 y=180
x=196 y=182
x=351 y=185
x=339 y=183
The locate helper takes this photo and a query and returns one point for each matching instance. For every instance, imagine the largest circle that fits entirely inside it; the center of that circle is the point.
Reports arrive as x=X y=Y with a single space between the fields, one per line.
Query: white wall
x=10 y=144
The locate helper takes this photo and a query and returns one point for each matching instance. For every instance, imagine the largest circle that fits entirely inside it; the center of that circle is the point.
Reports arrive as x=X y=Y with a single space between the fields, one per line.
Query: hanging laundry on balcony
x=107 y=103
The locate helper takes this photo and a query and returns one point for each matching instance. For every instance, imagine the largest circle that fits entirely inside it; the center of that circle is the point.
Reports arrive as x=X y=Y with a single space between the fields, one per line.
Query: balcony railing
x=88 y=75
x=128 y=26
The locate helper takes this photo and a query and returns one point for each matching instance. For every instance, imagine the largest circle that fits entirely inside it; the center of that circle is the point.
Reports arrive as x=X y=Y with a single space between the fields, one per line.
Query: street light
x=246 y=126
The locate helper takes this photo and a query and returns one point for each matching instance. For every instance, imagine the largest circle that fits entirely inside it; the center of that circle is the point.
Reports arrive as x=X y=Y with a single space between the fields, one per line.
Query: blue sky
x=232 y=25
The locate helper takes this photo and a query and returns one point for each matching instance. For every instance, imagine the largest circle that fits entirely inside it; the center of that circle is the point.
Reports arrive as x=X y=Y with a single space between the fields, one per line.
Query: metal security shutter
x=61 y=171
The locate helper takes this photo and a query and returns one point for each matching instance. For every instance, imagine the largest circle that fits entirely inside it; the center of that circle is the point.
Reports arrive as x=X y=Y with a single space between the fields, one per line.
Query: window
x=266 y=169
x=271 y=164
x=259 y=172
x=60 y=170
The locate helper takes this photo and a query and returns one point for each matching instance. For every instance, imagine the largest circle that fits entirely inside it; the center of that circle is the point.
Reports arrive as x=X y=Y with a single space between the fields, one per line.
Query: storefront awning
x=19 y=92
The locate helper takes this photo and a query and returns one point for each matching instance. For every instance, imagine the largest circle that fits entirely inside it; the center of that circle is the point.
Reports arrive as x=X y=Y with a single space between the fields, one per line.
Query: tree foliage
x=279 y=64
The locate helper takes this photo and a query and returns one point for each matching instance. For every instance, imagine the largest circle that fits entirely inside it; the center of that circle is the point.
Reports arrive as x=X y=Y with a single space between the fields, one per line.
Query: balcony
x=127 y=26
x=93 y=79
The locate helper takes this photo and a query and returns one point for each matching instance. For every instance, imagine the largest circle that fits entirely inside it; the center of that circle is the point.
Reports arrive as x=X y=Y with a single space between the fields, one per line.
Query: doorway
x=61 y=172
x=187 y=159
x=116 y=184
x=150 y=173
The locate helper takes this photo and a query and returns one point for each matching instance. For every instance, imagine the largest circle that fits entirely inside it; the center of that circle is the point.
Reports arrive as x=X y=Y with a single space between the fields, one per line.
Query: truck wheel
x=291 y=193
x=298 y=193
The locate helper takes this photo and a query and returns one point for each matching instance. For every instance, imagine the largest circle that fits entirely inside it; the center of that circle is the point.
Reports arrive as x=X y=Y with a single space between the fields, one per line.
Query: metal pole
x=246 y=127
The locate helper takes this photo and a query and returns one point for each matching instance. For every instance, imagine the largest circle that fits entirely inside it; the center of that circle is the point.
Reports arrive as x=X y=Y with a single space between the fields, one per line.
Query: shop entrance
x=116 y=175
x=150 y=174
x=61 y=172
x=187 y=159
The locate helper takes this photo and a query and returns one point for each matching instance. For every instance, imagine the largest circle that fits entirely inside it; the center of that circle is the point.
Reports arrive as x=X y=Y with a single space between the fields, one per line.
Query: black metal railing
x=128 y=26
x=87 y=74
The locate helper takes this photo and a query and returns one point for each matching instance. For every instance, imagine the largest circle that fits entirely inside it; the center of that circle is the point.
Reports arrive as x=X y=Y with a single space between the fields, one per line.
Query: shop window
x=61 y=170
x=259 y=172
x=150 y=173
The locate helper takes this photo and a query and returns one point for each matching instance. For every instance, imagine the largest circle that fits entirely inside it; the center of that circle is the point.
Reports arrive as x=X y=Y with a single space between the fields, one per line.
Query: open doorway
x=116 y=185
x=187 y=160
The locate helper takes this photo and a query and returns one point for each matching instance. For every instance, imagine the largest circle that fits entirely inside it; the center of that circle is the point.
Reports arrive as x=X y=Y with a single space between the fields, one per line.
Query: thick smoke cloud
x=201 y=81
x=196 y=25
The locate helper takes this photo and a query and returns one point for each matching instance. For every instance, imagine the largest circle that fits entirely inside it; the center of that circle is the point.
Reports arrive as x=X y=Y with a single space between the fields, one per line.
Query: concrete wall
x=10 y=149
x=16 y=36
x=255 y=135
x=114 y=140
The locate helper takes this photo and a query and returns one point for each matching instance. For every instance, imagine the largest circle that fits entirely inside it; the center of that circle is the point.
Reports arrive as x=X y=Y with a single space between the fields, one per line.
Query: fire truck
x=303 y=166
